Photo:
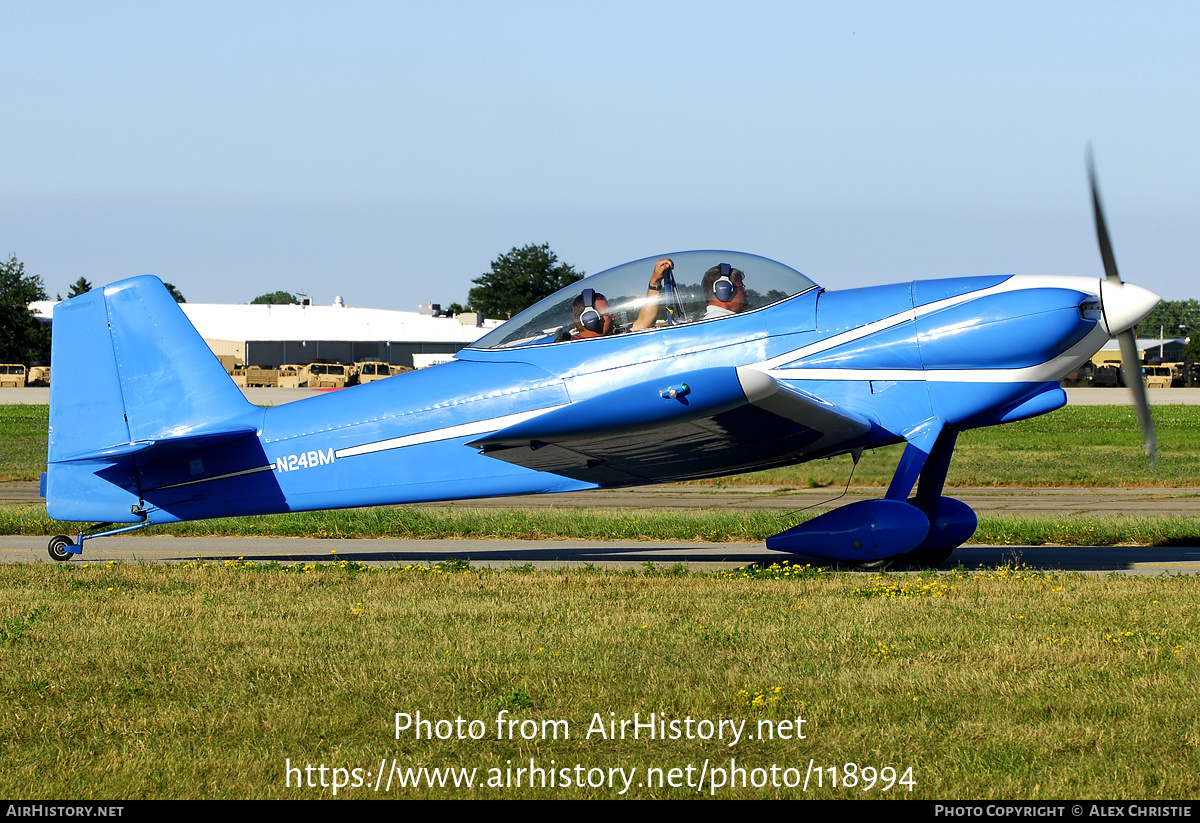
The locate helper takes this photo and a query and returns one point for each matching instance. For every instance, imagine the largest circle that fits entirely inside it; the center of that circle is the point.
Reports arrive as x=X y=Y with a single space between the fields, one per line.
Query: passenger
x=724 y=290
x=589 y=311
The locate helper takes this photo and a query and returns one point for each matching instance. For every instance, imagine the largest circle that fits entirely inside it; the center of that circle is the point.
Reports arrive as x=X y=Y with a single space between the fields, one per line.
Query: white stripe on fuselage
x=492 y=424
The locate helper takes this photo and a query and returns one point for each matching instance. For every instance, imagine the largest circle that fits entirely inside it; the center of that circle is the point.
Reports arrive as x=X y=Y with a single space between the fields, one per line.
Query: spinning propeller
x=1124 y=305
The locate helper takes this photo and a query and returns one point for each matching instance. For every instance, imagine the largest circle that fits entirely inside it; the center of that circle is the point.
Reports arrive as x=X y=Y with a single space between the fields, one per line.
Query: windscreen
x=702 y=286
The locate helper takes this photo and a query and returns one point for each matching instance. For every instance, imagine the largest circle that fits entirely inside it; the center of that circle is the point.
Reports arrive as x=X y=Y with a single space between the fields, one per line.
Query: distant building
x=271 y=335
x=1150 y=350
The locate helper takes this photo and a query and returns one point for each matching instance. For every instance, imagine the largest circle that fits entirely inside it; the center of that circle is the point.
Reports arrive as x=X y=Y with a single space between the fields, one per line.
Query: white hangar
x=271 y=335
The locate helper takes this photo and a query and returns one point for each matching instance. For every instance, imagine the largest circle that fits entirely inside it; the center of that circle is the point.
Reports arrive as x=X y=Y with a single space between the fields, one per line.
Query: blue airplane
x=690 y=365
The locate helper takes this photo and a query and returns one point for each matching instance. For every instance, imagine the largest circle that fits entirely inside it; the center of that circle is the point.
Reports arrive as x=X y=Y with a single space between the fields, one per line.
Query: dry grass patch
x=150 y=681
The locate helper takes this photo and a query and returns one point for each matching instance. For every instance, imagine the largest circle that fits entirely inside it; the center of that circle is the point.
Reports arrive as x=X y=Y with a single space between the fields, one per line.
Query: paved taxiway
x=551 y=554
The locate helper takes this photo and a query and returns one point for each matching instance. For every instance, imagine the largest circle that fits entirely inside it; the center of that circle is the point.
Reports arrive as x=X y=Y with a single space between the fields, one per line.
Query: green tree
x=519 y=279
x=1174 y=318
x=179 y=298
x=275 y=298
x=1192 y=350
x=22 y=337
x=80 y=286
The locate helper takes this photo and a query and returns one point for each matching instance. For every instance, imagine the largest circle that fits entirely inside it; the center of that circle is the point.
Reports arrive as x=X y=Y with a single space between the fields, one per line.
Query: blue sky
x=387 y=152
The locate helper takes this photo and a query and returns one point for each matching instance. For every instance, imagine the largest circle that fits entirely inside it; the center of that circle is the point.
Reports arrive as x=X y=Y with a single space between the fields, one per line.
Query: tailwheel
x=58 y=548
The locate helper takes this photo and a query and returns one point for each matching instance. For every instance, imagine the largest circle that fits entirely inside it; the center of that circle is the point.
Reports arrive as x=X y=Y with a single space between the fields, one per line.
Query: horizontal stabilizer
x=166 y=447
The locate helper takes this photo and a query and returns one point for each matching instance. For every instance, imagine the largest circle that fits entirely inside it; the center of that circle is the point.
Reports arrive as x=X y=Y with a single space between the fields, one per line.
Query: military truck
x=255 y=377
x=311 y=376
x=1157 y=377
x=1107 y=375
x=290 y=376
x=261 y=377
x=12 y=376
x=368 y=371
x=327 y=375
x=1179 y=374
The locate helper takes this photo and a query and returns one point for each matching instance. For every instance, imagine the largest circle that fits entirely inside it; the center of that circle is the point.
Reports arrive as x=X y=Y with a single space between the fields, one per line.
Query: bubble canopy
x=625 y=291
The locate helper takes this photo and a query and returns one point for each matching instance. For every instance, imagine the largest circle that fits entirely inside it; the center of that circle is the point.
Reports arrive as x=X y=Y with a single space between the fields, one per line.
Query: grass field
x=149 y=681
x=24 y=430
x=1074 y=446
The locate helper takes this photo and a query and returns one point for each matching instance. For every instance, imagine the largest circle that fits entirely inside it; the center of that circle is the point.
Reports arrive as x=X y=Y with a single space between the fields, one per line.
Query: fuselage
x=667 y=403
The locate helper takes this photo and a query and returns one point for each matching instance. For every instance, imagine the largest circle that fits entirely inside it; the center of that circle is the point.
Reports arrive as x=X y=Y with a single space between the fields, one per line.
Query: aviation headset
x=723 y=287
x=589 y=318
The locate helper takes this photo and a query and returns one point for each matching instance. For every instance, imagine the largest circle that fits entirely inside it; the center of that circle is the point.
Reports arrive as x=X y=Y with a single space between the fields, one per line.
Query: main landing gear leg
x=951 y=522
x=62 y=548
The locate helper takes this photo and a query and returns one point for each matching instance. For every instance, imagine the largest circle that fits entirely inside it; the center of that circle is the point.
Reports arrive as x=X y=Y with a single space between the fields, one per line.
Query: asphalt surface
x=554 y=554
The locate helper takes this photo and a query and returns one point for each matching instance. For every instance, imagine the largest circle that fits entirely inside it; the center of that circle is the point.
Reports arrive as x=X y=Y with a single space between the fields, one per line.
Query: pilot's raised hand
x=649 y=312
x=661 y=268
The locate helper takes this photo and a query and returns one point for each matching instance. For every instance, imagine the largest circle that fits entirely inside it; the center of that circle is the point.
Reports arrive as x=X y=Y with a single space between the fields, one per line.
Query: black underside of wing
x=743 y=439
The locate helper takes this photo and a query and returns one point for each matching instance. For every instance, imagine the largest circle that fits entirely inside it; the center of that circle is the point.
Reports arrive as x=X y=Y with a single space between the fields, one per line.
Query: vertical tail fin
x=131 y=375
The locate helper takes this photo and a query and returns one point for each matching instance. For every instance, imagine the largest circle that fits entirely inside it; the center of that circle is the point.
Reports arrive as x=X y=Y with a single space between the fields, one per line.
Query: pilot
x=724 y=290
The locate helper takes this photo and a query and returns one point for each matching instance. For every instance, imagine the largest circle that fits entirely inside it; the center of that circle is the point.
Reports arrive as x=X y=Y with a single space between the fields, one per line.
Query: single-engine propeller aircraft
x=693 y=365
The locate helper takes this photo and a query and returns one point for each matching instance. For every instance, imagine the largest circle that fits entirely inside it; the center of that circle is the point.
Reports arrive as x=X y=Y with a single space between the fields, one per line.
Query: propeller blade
x=1131 y=364
x=1132 y=372
x=1106 y=252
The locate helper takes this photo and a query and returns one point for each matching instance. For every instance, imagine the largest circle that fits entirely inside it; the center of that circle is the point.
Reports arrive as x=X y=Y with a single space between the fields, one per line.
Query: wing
x=705 y=423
